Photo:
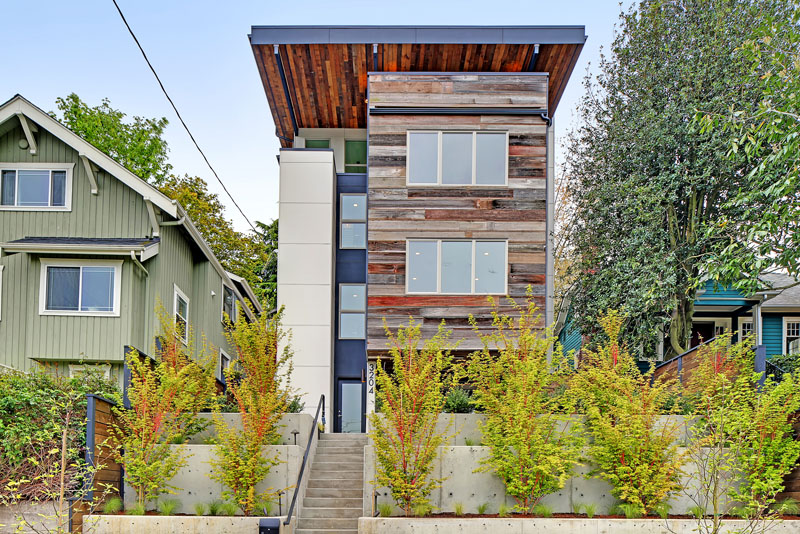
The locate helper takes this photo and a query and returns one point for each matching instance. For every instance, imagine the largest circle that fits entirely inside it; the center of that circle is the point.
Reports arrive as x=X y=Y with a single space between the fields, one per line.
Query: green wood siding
x=117 y=211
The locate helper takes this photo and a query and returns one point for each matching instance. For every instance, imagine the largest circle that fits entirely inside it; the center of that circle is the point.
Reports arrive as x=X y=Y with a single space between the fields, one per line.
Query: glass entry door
x=351 y=406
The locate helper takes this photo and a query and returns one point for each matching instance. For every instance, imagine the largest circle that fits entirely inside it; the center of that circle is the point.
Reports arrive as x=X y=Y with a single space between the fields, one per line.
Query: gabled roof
x=244 y=287
x=19 y=108
x=18 y=105
x=789 y=297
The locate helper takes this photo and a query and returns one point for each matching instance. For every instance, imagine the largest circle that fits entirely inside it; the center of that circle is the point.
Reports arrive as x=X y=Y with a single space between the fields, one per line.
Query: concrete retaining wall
x=301 y=422
x=196 y=486
x=42 y=515
x=433 y=525
x=463 y=485
x=127 y=524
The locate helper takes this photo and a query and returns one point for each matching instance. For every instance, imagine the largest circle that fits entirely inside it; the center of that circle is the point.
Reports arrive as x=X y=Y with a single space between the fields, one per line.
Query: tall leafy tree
x=648 y=185
x=139 y=145
x=769 y=139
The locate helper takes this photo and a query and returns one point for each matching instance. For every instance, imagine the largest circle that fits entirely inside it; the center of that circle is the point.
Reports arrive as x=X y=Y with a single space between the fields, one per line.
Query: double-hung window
x=23 y=187
x=74 y=287
x=228 y=304
x=181 y=312
x=352 y=311
x=353 y=216
x=457 y=158
x=791 y=334
x=456 y=266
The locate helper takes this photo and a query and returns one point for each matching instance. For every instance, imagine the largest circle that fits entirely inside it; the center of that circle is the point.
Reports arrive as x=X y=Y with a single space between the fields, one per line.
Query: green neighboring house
x=88 y=250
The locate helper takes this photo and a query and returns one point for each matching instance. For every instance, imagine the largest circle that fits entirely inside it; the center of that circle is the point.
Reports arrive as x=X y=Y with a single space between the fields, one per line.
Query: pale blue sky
x=200 y=49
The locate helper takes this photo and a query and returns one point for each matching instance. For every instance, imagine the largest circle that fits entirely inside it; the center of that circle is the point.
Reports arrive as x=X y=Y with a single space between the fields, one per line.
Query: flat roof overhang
x=316 y=76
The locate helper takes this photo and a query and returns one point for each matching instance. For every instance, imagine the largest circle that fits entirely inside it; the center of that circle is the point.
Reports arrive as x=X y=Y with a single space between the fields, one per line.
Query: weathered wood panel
x=398 y=212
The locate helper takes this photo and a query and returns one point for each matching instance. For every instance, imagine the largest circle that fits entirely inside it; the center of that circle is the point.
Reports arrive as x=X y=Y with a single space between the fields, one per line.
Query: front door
x=351 y=407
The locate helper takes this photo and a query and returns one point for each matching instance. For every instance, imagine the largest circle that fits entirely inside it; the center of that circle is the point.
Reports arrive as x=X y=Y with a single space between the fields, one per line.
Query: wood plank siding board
x=399 y=211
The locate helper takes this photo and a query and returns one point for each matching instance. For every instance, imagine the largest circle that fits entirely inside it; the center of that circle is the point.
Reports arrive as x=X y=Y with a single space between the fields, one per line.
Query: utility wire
x=178 y=113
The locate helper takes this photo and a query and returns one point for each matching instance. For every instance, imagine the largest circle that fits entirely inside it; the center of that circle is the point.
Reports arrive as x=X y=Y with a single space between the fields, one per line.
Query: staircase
x=334 y=496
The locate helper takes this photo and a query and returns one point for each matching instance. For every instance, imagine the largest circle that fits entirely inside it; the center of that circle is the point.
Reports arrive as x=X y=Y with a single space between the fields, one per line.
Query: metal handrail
x=320 y=406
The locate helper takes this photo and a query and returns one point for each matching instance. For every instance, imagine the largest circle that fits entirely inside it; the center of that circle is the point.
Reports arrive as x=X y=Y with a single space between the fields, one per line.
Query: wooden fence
x=108 y=479
x=682 y=367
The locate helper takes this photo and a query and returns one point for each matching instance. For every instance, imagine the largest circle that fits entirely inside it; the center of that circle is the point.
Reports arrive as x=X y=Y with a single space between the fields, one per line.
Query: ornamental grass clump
x=520 y=379
x=742 y=442
x=165 y=395
x=260 y=387
x=633 y=448
x=412 y=396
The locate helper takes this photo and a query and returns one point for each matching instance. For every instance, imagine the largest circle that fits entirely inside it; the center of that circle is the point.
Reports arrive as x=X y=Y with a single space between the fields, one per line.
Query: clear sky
x=200 y=49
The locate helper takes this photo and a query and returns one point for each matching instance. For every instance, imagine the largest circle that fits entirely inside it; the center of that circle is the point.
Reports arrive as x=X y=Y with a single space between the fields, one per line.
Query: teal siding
x=772 y=335
x=117 y=211
x=570 y=337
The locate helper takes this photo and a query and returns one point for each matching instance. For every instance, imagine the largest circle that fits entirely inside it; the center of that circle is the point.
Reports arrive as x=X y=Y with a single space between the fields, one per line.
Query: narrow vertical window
x=423 y=158
x=224 y=363
x=228 y=304
x=181 y=310
x=457 y=158
x=353 y=217
x=421 y=266
x=792 y=342
x=8 y=188
x=456 y=266
x=490 y=158
x=352 y=311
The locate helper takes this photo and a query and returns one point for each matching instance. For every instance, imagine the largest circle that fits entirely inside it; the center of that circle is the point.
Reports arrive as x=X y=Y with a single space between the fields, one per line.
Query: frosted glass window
x=33 y=188
x=457 y=158
x=423 y=158
x=352 y=297
x=422 y=266
x=354 y=207
x=354 y=235
x=490 y=159
x=352 y=326
x=456 y=266
x=97 y=289
x=490 y=267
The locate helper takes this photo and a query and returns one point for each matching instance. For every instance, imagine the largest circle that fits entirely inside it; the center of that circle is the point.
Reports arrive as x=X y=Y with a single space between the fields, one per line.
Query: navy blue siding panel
x=772 y=336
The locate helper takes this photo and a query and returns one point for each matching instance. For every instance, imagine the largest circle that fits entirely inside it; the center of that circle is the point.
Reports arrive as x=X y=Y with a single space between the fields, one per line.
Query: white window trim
x=1 y=291
x=352 y=311
x=439 y=266
x=784 y=340
x=219 y=364
x=175 y=294
x=48 y=262
x=742 y=320
x=439 y=159
x=222 y=304
x=105 y=369
x=68 y=167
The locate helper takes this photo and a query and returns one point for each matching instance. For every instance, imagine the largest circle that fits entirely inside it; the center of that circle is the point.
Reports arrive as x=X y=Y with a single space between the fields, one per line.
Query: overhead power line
x=180 y=118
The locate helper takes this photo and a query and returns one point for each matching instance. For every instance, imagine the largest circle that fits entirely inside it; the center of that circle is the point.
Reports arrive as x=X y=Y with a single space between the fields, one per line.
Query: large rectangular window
x=457 y=158
x=456 y=267
x=352 y=311
x=28 y=188
x=72 y=287
x=353 y=217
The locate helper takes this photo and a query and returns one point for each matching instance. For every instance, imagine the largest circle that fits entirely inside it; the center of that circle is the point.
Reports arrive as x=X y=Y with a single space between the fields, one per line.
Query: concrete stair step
x=336 y=483
x=334 y=492
x=340 y=451
x=316 y=524
x=331 y=513
x=333 y=465
x=326 y=531
x=341 y=443
x=343 y=457
x=333 y=502
x=333 y=436
x=350 y=475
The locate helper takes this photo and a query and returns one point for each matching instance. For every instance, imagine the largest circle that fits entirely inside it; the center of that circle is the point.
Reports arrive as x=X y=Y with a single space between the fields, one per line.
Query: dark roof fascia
x=271 y=35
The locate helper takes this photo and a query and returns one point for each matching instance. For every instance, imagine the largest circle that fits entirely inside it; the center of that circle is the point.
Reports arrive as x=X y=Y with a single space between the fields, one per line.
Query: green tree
x=139 y=145
x=769 y=138
x=649 y=187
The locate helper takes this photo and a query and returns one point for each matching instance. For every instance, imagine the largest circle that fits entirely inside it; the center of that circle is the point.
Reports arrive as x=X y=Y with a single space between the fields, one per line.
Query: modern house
x=772 y=316
x=88 y=249
x=415 y=180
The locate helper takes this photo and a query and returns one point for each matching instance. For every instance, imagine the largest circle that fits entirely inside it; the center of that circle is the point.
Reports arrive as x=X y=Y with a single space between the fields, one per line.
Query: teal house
x=772 y=316
x=88 y=250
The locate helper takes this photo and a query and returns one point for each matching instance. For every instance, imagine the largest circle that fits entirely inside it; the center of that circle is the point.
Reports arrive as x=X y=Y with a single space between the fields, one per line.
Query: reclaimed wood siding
x=398 y=212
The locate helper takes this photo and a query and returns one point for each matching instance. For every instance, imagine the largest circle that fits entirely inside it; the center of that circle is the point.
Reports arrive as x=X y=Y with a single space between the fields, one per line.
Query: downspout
x=138 y=263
